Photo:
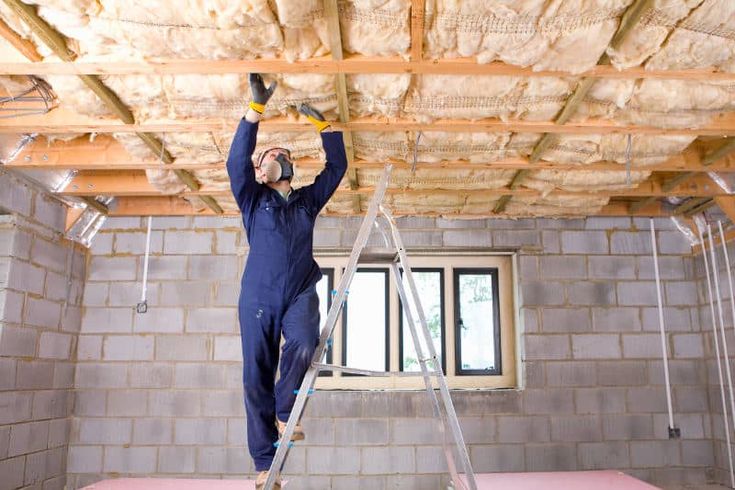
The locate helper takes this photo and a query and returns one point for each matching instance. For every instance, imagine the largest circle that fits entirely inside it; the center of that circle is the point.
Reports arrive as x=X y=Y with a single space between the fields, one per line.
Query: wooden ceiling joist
x=335 y=44
x=137 y=184
x=721 y=152
x=727 y=205
x=56 y=42
x=95 y=204
x=106 y=153
x=177 y=206
x=417 y=30
x=707 y=161
x=61 y=121
x=672 y=165
x=629 y=20
x=23 y=46
x=351 y=64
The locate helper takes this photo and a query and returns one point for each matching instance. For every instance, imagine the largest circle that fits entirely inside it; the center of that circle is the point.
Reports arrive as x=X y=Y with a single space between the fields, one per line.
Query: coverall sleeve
x=328 y=179
x=240 y=166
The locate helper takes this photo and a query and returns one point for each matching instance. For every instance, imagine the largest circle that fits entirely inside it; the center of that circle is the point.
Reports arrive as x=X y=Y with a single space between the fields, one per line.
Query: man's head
x=273 y=165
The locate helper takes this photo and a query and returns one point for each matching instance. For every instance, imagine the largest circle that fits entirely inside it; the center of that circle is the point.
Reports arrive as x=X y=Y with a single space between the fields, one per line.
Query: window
x=365 y=321
x=429 y=284
x=477 y=321
x=468 y=304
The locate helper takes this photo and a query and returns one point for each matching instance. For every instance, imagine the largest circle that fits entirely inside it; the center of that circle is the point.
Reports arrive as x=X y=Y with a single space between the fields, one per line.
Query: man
x=278 y=295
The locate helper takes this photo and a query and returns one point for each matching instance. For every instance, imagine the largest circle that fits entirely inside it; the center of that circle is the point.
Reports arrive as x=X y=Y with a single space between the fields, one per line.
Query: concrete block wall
x=40 y=315
x=160 y=394
x=714 y=392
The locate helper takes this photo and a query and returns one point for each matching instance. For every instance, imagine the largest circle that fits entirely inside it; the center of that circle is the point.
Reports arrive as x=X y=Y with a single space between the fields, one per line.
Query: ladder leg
x=443 y=389
x=427 y=376
x=307 y=384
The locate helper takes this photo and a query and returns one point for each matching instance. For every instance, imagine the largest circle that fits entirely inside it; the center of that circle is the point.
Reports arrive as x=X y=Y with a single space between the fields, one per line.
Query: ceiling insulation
x=567 y=36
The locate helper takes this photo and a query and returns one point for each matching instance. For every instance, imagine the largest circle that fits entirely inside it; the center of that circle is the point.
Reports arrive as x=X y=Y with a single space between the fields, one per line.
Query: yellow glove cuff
x=259 y=108
x=320 y=125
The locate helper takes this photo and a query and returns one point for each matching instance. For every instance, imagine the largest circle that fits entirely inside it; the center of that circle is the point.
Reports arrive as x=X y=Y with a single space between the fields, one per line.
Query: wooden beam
x=689 y=204
x=630 y=18
x=707 y=161
x=95 y=204
x=311 y=163
x=335 y=45
x=57 y=43
x=176 y=206
x=417 y=29
x=72 y=216
x=106 y=153
x=727 y=205
x=42 y=29
x=351 y=64
x=136 y=184
x=622 y=208
x=700 y=208
x=727 y=148
x=63 y=121
x=24 y=46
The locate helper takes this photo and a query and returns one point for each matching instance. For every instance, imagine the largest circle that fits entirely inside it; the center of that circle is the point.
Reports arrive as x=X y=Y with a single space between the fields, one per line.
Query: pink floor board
x=171 y=484
x=561 y=480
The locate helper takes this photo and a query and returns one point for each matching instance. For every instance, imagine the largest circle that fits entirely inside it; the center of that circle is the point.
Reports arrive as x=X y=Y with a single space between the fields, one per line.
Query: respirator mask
x=279 y=168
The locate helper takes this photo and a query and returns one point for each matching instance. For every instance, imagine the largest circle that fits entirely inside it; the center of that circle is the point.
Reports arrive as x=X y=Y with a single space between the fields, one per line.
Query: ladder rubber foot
x=310 y=392
x=278 y=443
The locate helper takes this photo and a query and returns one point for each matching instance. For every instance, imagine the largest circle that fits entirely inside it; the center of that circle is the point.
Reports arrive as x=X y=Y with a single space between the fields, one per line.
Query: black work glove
x=261 y=95
x=315 y=117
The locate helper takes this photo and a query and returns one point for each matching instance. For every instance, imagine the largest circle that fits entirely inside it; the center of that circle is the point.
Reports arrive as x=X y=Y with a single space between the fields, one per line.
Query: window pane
x=366 y=321
x=429 y=286
x=476 y=322
x=324 y=291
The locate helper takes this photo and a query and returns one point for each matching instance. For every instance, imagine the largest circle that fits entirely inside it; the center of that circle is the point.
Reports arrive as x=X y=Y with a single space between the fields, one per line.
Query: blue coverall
x=278 y=294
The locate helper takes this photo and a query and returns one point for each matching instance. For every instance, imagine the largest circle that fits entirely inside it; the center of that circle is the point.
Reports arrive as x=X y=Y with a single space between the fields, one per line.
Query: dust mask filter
x=280 y=168
x=285 y=168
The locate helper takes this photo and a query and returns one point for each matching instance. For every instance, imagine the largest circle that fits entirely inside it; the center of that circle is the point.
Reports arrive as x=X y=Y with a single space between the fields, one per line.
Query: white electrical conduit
x=673 y=432
x=717 y=355
x=718 y=295
x=142 y=307
x=723 y=242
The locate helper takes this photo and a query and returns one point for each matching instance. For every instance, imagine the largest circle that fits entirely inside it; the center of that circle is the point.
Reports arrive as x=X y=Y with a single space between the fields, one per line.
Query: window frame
x=497 y=325
x=448 y=259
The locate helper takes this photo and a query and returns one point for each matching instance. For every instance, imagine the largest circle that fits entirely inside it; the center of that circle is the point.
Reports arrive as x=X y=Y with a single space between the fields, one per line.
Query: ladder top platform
x=378 y=256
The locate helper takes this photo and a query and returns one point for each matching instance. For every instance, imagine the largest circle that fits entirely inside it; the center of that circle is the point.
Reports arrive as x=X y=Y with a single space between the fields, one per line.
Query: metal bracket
x=142 y=307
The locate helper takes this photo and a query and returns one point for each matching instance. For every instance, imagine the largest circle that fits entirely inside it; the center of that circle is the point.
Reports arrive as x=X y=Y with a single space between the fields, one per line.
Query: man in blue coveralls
x=278 y=295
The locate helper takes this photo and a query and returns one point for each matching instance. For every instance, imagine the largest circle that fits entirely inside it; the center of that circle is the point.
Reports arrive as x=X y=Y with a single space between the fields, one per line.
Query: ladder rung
x=364 y=372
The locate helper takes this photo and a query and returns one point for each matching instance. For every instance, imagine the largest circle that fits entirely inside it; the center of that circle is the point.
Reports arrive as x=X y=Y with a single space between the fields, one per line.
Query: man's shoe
x=262 y=477
x=298 y=432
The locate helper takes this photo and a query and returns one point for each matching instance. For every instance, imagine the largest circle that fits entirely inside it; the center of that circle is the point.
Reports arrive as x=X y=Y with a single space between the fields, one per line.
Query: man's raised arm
x=239 y=161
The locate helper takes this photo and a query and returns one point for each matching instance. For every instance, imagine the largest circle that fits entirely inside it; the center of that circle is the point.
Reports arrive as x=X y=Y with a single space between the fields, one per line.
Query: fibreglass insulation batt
x=703 y=39
x=583 y=181
x=476 y=97
x=544 y=34
x=439 y=178
x=650 y=32
x=567 y=35
x=590 y=148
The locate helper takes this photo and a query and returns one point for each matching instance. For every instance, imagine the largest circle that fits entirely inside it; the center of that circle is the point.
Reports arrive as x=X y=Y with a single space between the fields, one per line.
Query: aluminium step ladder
x=428 y=360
